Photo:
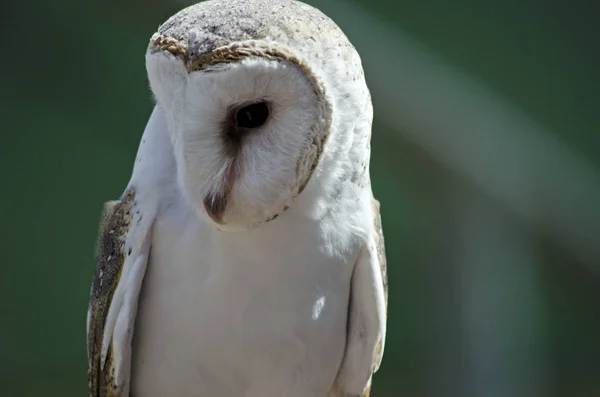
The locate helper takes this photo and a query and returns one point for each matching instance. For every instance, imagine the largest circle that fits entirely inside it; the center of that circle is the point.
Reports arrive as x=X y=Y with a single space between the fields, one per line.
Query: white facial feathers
x=216 y=158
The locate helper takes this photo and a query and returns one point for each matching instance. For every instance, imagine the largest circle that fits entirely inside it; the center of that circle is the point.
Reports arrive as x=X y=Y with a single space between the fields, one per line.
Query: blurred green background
x=486 y=160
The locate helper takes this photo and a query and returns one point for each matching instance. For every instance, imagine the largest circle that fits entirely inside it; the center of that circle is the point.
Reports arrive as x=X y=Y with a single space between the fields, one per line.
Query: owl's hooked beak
x=215 y=203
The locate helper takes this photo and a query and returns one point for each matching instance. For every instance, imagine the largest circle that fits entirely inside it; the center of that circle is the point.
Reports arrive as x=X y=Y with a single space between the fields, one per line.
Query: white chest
x=239 y=314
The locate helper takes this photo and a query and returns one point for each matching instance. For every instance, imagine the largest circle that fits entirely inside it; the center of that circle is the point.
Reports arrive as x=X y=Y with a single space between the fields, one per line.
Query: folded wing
x=367 y=313
x=122 y=256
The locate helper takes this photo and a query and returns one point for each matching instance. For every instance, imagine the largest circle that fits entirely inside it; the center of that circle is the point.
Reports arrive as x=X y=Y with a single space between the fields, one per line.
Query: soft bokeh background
x=486 y=157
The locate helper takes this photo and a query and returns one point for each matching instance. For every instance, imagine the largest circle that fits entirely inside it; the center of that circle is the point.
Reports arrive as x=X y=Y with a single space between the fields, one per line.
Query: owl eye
x=252 y=116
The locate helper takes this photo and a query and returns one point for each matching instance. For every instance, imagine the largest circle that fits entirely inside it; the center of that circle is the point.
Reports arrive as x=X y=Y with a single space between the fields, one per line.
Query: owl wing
x=367 y=312
x=122 y=256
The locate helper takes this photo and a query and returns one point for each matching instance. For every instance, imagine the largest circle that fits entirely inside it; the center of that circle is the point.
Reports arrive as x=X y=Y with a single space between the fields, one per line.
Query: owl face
x=247 y=131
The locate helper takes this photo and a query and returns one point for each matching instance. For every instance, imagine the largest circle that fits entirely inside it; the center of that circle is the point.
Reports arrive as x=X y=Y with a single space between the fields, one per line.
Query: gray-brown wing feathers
x=110 y=259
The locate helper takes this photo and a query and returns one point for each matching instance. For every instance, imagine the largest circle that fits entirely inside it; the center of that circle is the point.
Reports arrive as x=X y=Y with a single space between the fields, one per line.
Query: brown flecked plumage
x=110 y=258
x=217 y=24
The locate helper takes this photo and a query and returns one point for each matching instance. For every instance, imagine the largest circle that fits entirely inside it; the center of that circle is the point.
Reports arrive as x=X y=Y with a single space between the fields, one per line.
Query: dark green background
x=74 y=102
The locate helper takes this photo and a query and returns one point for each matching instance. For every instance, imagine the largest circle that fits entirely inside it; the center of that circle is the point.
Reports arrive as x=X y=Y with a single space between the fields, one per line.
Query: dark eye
x=252 y=116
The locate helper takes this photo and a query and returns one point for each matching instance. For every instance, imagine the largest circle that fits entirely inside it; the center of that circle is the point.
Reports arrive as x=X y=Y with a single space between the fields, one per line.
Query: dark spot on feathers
x=272 y=218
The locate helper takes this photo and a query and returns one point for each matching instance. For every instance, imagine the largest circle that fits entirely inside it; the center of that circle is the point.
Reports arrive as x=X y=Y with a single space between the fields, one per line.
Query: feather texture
x=123 y=249
x=111 y=255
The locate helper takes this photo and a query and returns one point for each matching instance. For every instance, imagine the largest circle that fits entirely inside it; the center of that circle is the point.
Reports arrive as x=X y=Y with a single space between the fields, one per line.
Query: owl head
x=264 y=101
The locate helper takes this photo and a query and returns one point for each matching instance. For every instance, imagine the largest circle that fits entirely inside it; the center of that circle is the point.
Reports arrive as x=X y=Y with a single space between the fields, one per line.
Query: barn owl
x=245 y=257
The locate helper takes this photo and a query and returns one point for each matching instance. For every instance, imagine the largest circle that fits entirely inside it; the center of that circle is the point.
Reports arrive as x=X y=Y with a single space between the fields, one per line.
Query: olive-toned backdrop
x=523 y=321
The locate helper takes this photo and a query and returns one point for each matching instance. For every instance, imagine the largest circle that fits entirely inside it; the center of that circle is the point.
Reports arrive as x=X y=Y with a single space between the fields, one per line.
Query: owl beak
x=214 y=205
x=216 y=201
